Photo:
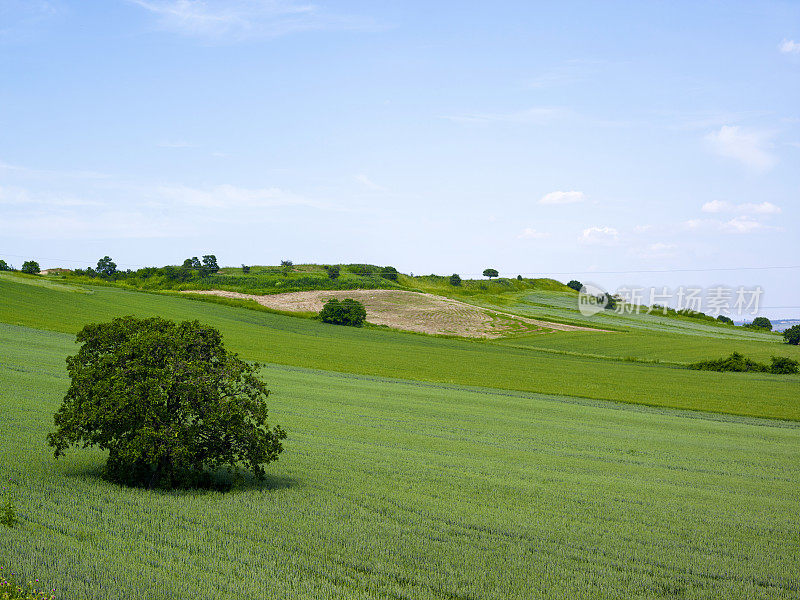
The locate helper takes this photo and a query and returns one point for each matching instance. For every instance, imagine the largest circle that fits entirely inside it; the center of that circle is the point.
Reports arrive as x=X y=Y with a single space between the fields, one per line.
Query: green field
x=392 y=489
x=422 y=467
x=301 y=342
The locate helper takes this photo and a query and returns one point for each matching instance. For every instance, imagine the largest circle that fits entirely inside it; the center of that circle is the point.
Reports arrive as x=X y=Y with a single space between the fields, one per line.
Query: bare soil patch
x=409 y=311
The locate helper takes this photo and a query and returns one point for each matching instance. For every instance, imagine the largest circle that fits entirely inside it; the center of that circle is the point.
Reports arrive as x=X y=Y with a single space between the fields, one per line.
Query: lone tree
x=106 y=267
x=347 y=312
x=455 y=279
x=575 y=285
x=792 y=335
x=168 y=402
x=31 y=267
x=761 y=323
x=490 y=273
x=210 y=263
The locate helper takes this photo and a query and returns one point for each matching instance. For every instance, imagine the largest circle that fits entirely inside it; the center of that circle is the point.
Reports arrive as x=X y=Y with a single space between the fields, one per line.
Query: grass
x=405 y=489
x=290 y=341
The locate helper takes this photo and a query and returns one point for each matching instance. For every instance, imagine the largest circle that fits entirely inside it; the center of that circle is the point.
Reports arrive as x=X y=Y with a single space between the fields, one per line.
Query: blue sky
x=575 y=138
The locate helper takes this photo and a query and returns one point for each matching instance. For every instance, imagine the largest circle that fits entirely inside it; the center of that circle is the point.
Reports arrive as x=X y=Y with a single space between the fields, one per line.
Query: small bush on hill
x=737 y=362
x=332 y=271
x=575 y=285
x=724 y=319
x=245 y=269
x=31 y=267
x=760 y=323
x=455 y=279
x=347 y=312
x=792 y=335
x=389 y=273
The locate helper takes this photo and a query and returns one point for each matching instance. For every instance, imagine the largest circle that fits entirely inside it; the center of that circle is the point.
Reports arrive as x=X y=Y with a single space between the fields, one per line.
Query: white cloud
x=562 y=198
x=742 y=225
x=749 y=147
x=175 y=144
x=599 y=235
x=642 y=228
x=716 y=206
x=658 y=250
x=790 y=47
x=242 y=19
x=531 y=234
x=761 y=208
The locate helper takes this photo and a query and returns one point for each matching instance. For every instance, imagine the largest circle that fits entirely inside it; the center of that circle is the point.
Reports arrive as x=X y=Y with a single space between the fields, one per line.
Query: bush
x=783 y=365
x=347 y=312
x=389 y=273
x=31 y=267
x=575 y=285
x=760 y=323
x=737 y=362
x=332 y=271
x=792 y=335
x=245 y=269
x=455 y=279
x=168 y=402
x=724 y=319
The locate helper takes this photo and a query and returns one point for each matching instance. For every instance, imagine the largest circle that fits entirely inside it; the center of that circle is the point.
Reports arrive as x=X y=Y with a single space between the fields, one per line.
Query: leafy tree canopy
x=347 y=312
x=106 y=267
x=4 y=266
x=210 y=263
x=490 y=273
x=792 y=335
x=761 y=323
x=389 y=273
x=168 y=402
x=575 y=285
x=333 y=271
x=455 y=279
x=31 y=267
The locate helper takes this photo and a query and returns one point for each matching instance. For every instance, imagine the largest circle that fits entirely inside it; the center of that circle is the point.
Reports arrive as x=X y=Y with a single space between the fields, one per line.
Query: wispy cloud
x=245 y=19
x=366 y=182
x=531 y=234
x=748 y=146
x=599 y=236
x=761 y=208
x=562 y=198
x=790 y=47
x=537 y=115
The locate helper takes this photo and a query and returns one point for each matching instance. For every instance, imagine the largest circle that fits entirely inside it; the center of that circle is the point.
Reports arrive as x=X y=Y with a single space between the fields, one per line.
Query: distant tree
x=724 y=319
x=245 y=269
x=490 y=273
x=760 y=323
x=455 y=279
x=31 y=267
x=389 y=273
x=192 y=263
x=519 y=277
x=575 y=285
x=783 y=365
x=792 y=335
x=210 y=263
x=4 y=266
x=167 y=401
x=332 y=271
x=346 y=312
x=287 y=263
x=106 y=267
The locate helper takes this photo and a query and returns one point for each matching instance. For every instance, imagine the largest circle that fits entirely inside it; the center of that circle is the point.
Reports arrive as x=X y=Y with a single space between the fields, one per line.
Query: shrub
x=332 y=271
x=245 y=269
x=724 y=319
x=575 y=285
x=31 y=267
x=347 y=312
x=519 y=277
x=760 y=323
x=167 y=401
x=783 y=365
x=455 y=279
x=287 y=263
x=792 y=335
x=389 y=273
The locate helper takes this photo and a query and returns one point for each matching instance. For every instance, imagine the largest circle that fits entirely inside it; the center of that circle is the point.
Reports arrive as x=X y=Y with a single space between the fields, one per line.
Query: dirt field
x=410 y=311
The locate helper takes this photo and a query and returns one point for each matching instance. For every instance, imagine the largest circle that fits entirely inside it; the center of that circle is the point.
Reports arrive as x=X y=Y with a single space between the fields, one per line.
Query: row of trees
x=31 y=267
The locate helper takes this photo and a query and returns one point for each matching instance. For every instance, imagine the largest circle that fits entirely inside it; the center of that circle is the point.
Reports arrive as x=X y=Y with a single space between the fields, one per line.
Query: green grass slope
x=393 y=489
x=301 y=342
